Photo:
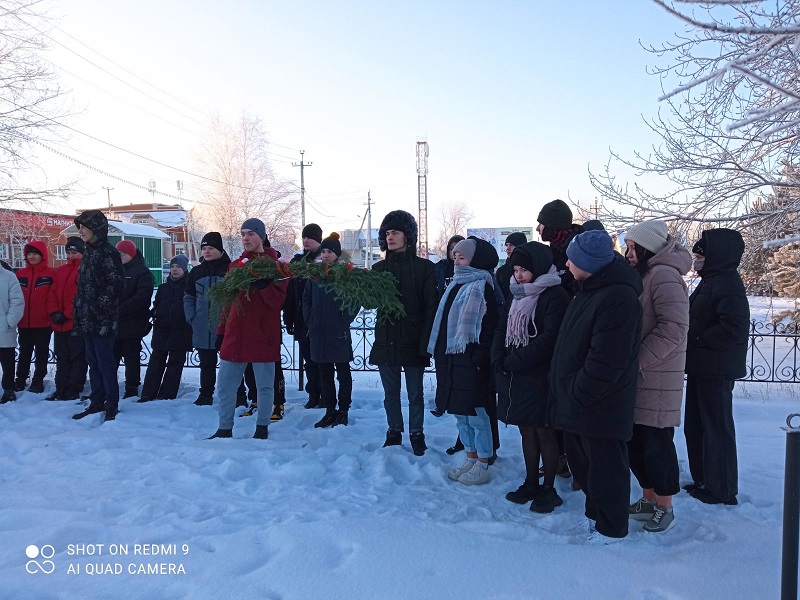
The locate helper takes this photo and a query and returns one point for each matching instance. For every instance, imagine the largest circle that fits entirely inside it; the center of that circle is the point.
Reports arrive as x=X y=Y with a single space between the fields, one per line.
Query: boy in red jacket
x=250 y=333
x=69 y=345
x=36 y=281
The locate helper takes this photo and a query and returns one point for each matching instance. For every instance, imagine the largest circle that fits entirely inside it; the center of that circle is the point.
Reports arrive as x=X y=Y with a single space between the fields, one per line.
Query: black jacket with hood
x=134 y=307
x=719 y=314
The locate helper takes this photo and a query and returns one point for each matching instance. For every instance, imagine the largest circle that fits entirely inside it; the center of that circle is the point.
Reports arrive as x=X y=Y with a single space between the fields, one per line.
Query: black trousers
x=313 y=384
x=102 y=372
x=600 y=466
x=71 y=362
x=163 y=375
x=7 y=364
x=130 y=351
x=711 y=435
x=251 y=393
x=208 y=371
x=653 y=459
x=345 y=378
x=30 y=339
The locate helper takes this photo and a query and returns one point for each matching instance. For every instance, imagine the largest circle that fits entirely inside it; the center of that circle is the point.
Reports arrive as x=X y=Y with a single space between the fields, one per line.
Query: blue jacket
x=197 y=306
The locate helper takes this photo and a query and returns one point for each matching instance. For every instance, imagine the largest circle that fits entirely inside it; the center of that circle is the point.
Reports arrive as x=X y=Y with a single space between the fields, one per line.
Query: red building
x=18 y=227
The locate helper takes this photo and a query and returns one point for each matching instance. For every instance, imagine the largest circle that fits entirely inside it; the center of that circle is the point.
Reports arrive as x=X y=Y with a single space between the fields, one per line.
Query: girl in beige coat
x=662 y=262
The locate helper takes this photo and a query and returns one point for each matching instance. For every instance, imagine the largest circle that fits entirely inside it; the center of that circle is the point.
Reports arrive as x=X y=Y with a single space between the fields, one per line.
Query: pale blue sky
x=515 y=98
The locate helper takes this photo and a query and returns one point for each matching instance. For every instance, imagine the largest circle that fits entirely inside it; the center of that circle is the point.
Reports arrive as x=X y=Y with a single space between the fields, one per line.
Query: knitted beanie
x=467 y=248
x=312 y=231
x=650 y=235
x=516 y=239
x=593 y=224
x=181 y=261
x=256 y=225
x=127 y=246
x=555 y=214
x=213 y=239
x=591 y=251
x=75 y=244
x=332 y=243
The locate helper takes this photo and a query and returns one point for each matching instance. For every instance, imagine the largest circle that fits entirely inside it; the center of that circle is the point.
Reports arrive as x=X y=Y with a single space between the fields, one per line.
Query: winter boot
x=524 y=493
x=418 y=443
x=8 y=396
x=145 y=399
x=262 y=432
x=327 y=419
x=393 y=438
x=313 y=402
x=92 y=410
x=707 y=497
x=662 y=521
x=222 y=433
x=111 y=414
x=277 y=413
x=56 y=395
x=454 y=474
x=641 y=510
x=477 y=475
x=131 y=391
x=203 y=400
x=341 y=418
x=36 y=386
x=546 y=500
x=69 y=394
x=19 y=385
x=563 y=467
x=457 y=447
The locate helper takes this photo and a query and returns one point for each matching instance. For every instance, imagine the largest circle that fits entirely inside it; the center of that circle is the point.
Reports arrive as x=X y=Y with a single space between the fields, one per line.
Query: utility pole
x=108 y=191
x=596 y=209
x=302 y=165
x=151 y=187
x=368 y=262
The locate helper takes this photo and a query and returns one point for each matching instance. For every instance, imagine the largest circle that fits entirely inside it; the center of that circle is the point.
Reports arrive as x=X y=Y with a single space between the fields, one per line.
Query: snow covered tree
x=731 y=122
x=239 y=183
x=454 y=218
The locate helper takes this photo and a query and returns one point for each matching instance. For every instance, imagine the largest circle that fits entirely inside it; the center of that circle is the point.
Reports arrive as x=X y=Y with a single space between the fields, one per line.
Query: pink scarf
x=523 y=306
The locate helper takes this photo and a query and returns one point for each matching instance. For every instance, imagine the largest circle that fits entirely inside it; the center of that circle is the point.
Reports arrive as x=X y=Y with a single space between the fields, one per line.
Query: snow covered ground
x=324 y=514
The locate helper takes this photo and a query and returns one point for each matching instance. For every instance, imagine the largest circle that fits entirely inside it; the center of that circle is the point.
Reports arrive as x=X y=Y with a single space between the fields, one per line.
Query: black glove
x=260 y=284
x=290 y=329
x=218 y=342
x=58 y=318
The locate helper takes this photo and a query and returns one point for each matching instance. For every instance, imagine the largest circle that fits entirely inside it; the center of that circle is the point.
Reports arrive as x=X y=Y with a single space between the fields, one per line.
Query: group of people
x=581 y=348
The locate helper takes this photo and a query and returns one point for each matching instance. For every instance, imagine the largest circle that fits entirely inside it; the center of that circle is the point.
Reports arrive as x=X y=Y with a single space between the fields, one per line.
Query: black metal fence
x=772 y=354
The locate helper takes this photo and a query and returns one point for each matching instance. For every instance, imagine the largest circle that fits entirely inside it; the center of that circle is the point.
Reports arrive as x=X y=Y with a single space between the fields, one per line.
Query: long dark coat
x=596 y=359
x=196 y=304
x=293 y=305
x=522 y=374
x=464 y=380
x=328 y=325
x=134 y=306
x=719 y=314
x=404 y=342
x=171 y=332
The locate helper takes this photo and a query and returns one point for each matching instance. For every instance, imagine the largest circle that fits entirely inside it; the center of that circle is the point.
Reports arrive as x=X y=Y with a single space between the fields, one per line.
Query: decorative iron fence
x=772 y=354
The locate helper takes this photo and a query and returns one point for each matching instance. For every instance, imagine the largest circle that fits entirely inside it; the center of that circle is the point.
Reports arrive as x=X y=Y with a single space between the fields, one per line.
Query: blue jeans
x=390 y=378
x=476 y=433
x=228 y=380
x=102 y=372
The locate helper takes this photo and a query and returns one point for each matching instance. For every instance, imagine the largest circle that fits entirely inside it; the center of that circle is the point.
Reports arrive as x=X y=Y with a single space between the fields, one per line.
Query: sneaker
x=707 y=497
x=341 y=418
x=313 y=402
x=546 y=500
x=524 y=493
x=250 y=410
x=563 y=467
x=454 y=474
x=89 y=411
x=418 y=443
x=36 y=386
x=661 y=521
x=457 y=447
x=204 y=400
x=327 y=419
x=584 y=526
x=393 y=438
x=598 y=539
x=277 y=413
x=222 y=433
x=477 y=475
x=8 y=396
x=642 y=510
x=262 y=432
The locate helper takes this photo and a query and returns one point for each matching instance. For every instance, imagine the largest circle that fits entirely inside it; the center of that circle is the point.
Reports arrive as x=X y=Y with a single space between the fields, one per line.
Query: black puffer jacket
x=293 y=304
x=596 y=359
x=134 y=307
x=328 y=324
x=101 y=281
x=404 y=341
x=197 y=306
x=522 y=374
x=719 y=314
x=503 y=278
x=171 y=332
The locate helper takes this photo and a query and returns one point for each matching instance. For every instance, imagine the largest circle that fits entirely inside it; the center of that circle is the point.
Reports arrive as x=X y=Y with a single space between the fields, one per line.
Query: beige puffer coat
x=665 y=324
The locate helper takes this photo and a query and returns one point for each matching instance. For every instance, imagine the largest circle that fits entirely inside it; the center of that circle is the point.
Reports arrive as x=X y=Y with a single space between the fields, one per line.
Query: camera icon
x=46 y=552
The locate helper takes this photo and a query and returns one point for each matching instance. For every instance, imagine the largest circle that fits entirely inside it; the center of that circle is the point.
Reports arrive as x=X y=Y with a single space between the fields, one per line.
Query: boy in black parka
x=716 y=355
x=593 y=379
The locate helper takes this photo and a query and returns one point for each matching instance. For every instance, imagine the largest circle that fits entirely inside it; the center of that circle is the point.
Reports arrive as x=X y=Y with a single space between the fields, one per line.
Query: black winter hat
x=75 y=244
x=485 y=256
x=533 y=256
x=95 y=221
x=592 y=225
x=555 y=214
x=313 y=231
x=213 y=239
x=399 y=220
x=516 y=239
x=700 y=246
x=332 y=243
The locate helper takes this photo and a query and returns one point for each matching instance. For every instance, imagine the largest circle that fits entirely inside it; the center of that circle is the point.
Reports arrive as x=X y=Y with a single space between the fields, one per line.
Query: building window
x=4 y=254
x=18 y=256
x=173 y=237
x=61 y=252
